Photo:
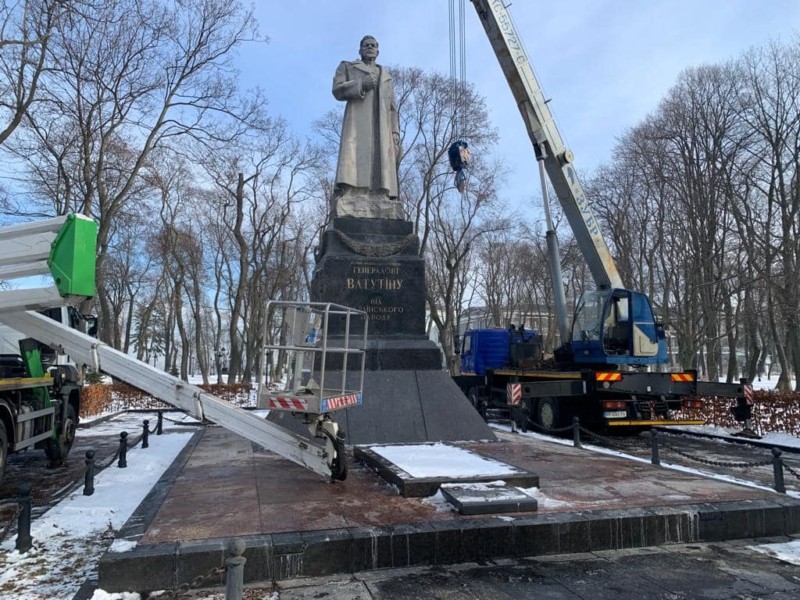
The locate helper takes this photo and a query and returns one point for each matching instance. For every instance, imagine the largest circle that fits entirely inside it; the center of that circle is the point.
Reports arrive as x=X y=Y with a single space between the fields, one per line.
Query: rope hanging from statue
x=458 y=153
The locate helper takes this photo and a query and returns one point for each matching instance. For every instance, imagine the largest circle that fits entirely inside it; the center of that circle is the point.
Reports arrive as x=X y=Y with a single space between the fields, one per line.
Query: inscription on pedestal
x=384 y=279
x=391 y=291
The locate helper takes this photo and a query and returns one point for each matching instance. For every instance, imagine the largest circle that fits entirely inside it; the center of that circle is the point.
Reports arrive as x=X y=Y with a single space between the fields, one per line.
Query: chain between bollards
x=777 y=469
x=576 y=432
x=654 y=458
x=24 y=540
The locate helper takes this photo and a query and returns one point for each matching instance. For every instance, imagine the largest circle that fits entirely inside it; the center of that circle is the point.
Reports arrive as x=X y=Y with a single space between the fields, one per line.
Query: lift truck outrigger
x=34 y=409
x=600 y=370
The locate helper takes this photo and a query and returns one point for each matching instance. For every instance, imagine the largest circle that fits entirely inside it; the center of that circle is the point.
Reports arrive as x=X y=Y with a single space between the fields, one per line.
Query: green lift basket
x=72 y=258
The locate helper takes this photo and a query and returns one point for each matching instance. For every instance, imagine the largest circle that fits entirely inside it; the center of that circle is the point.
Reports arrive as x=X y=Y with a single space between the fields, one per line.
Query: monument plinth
x=373 y=265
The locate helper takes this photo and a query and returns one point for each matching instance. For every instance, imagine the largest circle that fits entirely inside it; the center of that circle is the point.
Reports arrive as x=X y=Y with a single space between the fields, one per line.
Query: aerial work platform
x=65 y=247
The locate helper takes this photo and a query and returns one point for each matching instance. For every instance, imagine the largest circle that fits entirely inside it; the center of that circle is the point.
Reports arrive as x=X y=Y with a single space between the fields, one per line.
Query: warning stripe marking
x=287 y=403
x=341 y=402
x=514 y=394
x=748 y=393
x=608 y=376
x=682 y=376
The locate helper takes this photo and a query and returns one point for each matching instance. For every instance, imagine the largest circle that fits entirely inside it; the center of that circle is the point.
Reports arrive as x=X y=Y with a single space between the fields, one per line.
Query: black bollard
x=160 y=424
x=145 y=433
x=24 y=540
x=123 y=450
x=654 y=447
x=576 y=432
x=88 y=478
x=777 y=469
x=234 y=570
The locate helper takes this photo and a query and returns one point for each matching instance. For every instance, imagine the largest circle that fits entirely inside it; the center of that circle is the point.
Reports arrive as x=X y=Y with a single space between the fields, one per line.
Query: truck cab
x=40 y=390
x=494 y=348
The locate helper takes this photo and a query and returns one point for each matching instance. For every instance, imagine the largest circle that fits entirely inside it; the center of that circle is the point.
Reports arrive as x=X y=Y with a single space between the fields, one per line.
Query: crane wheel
x=339 y=463
x=475 y=398
x=547 y=414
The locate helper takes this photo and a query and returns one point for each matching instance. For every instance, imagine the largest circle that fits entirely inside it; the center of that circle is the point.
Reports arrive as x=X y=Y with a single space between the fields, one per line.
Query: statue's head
x=368 y=49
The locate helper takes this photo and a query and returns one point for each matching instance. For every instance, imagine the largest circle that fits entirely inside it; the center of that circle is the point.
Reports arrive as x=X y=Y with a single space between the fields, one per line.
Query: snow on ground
x=767 y=383
x=70 y=537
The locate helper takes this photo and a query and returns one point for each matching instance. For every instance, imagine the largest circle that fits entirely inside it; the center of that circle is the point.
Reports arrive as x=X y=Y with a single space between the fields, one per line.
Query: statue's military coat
x=367 y=156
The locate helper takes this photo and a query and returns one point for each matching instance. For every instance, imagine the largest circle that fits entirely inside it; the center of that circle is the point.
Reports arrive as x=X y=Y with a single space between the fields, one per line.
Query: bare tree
x=126 y=78
x=26 y=28
x=770 y=107
x=259 y=187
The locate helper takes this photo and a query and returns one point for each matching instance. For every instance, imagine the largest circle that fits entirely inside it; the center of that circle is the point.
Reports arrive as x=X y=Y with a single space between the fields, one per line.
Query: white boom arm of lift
x=544 y=134
x=24 y=251
x=86 y=350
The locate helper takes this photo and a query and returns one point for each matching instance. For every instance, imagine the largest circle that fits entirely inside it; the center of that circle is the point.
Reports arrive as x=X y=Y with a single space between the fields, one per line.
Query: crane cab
x=617 y=326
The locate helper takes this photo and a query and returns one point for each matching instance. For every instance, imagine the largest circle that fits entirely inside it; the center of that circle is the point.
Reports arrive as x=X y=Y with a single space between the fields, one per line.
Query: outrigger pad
x=72 y=257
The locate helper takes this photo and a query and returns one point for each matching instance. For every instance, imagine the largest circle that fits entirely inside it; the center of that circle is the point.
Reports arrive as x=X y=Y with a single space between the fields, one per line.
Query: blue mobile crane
x=601 y=370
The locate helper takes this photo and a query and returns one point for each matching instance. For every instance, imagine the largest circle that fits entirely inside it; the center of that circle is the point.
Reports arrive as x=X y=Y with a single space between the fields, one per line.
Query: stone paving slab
x=487 y=498
x=296 y=525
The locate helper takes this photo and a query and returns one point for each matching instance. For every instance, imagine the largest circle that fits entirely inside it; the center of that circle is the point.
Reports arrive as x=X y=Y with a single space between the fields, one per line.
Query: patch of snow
x=542 y=499
x=119 y=545
x=788 y=552
x=70 y=537
x=101 y=595
x=441 y=460
x=438 y=502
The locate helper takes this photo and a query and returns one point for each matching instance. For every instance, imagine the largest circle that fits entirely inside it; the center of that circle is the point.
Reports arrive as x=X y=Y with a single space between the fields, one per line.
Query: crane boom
x=547 y=140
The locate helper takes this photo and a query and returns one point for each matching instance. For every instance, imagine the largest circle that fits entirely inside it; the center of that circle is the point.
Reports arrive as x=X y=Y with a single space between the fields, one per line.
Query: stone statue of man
x=366 y=173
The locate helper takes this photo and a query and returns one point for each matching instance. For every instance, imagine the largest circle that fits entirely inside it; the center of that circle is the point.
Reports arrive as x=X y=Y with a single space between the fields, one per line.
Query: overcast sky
x=604 y=63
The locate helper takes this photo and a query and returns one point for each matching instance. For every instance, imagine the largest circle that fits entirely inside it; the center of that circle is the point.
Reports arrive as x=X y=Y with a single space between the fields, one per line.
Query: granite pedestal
x=373 y=265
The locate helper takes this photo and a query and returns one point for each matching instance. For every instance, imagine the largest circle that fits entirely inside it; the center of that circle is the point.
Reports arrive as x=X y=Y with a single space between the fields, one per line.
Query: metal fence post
x=234 y=570
x=655 y=459
x=24 y=540
x=777 y=468
x=123 y=450
x=88 y=478
x=160 y=424
x=576 y=432
x=145 y=433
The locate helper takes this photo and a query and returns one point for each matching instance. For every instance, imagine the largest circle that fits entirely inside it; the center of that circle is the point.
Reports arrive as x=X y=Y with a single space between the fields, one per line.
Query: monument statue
x=366 y=172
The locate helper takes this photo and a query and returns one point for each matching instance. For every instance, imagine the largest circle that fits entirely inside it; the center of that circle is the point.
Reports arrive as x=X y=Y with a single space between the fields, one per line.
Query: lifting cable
x=458 y=152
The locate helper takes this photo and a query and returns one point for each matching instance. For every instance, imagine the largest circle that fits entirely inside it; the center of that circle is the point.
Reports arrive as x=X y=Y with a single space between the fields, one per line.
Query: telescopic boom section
x=546 y=139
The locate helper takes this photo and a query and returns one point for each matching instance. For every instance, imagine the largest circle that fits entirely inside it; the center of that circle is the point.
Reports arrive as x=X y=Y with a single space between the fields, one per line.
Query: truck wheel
x=3 y=449
x=547 y=414
x=57 y=450
x=475 y=399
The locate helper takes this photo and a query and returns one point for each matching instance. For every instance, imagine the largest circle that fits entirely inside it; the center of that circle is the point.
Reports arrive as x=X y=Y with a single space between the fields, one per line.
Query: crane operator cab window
x=616 y=324
x=589 y=316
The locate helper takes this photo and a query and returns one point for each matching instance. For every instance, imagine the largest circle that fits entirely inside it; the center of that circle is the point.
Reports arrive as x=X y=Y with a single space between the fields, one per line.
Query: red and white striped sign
x=341 y=402
x=514 y=394
x=287 y=403
x=748 y=393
